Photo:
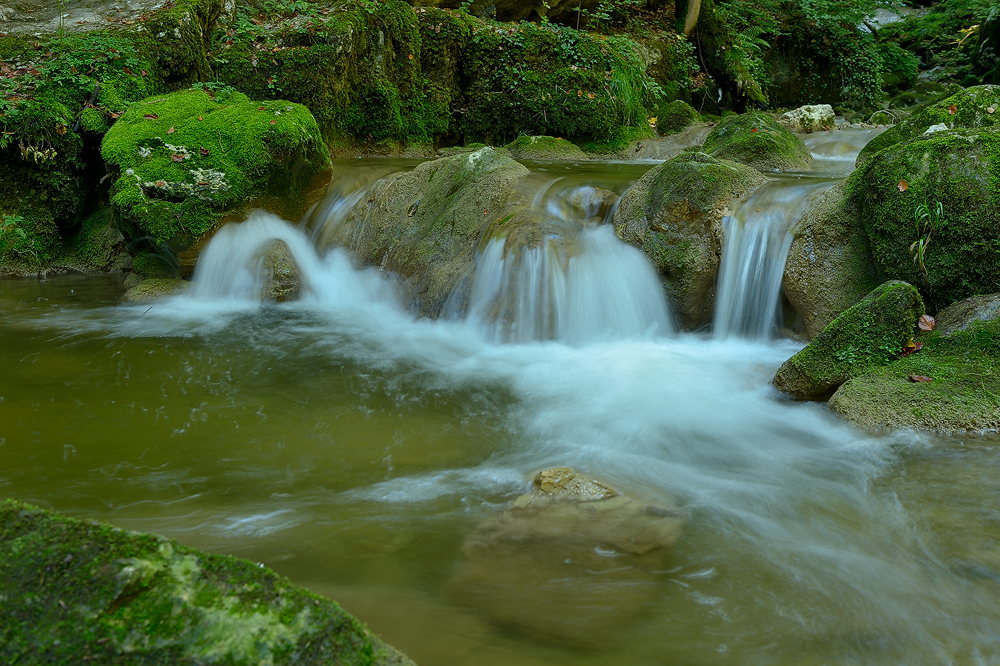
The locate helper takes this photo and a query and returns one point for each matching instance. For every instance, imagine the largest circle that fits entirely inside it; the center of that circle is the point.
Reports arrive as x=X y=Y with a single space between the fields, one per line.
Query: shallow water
x=353 y=449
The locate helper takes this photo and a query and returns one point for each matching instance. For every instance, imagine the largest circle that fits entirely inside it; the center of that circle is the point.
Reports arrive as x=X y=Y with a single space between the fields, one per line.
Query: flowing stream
x=354 y=449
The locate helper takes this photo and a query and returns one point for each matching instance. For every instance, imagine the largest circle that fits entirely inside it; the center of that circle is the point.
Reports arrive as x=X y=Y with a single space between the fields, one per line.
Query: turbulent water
x=354 y=448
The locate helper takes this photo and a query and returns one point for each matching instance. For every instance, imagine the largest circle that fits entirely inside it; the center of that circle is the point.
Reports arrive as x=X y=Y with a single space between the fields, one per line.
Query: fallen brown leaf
x=920 y=379
x=170 y=131
x=902 y=186
x=203 y=151
x=177 y=157
x=926 y=323
x=151 y=116
x=912 y=346
x=952 y=109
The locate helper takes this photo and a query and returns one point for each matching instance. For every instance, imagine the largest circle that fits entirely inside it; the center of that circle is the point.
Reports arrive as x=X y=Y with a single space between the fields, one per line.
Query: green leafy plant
x=928 y=221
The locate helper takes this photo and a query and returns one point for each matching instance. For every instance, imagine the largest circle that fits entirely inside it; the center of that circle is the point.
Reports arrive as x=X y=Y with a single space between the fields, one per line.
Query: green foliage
x=927 y=223
x=553 y=80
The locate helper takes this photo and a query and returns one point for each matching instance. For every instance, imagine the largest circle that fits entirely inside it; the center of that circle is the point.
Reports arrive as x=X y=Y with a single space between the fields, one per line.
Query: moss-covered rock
x=867 y=335
x=960 y=316
x=425 y=225
x=674 y=214
x=544 y=148
x=972 y=108
x=961 y=170
x=829 y=266
x=186 y=159
x=675 y=116
x=756 y=139
x=151 y=289
x=78 y=591
x=963 y=394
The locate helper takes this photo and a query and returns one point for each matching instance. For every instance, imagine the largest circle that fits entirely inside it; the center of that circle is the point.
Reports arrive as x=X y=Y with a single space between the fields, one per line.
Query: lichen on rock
x=674 y=214
x=868 y=335
x=544 y=148
x=76 y=591
x=757 y=140
x=809 y=118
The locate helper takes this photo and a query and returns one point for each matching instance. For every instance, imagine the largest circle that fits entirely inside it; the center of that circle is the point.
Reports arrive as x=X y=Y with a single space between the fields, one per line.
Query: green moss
x=97 y=246
x=185 y=159
x=867 y=335
x=675 y=116
x=971 y=111
x=543 y=148
x=961 y=169
x=756 y=139
x=963 y=396
x=76 y=591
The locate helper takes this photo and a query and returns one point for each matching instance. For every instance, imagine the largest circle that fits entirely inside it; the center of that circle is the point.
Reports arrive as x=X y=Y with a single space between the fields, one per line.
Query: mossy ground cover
x=76 y=592
x=184 y=159
x=757 y=140
x=964 y=394
x=866 y=336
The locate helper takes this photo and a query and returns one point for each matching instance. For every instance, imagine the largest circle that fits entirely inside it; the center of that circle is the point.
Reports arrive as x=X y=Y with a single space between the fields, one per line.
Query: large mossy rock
x=425 y=225
x=867 y=335
x=960 y=316
x=544 y=148
x=540 y=553
x=756 y=139
x=961 y=170
x=972 y=110
x=829 y=266
x=185 y=160
x=962 y=396
x=675 y=116
x=77 y=592
x=809 y=118
x=674 y=214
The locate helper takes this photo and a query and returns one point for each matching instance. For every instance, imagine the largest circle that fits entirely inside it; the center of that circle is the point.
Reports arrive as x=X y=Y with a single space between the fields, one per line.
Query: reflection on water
x=355 y=450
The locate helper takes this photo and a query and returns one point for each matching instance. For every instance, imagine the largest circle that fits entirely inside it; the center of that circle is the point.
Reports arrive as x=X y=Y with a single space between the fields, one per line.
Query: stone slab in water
x=77 y=591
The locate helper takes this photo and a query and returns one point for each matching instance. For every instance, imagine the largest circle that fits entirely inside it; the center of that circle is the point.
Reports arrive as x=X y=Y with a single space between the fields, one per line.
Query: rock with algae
x=869 y=334
x=674 y=214
x=756 y=139
x=533 y=566
x=544 y=148
x=77 y=592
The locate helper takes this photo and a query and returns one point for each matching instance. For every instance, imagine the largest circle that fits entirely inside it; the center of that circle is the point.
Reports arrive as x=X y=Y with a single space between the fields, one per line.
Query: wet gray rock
x=281 y=274
x=960 y=316
x=809 y=118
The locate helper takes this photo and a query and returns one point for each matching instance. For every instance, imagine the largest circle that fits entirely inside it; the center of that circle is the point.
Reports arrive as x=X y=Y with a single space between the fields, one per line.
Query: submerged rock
x=544 y=148
x=950 y=386
x=676 y=116
x=533 y=565
x=867 y=335
x=757 y=140
x=809 y=118
x=829 y=266
x=79 y=591
x=425 y=225
x=674 y=214
x=184 y=160
x=282 y=281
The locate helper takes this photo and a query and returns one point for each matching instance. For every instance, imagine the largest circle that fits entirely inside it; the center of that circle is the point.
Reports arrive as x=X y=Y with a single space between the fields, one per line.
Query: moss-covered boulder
x=868 y=335
x=425 y=225
x=970 y=108
x=77 y=592
x=675 y=116
x=674 y=214
x=829 y=266
x=544 y=148
x=951 y=385
x=151 y=289
x=185 y=160
x=960 y=169
x=756 y=139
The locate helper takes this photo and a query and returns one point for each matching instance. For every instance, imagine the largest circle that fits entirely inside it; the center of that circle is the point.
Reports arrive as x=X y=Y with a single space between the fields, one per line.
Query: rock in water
x=674 y=214
x=533 y=566
x=544 y=148
x=809 y=118
x=675 y=116
x=78 y=592
x=869 y=334
x=281 y=274
x=829 y=266
x=757 y=140
x=153 y=288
